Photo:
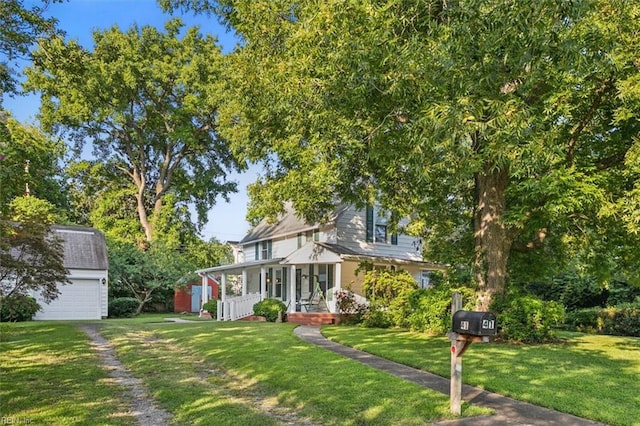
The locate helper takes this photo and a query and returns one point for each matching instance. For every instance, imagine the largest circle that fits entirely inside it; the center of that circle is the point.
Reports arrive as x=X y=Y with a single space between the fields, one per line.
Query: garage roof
x=84 y=248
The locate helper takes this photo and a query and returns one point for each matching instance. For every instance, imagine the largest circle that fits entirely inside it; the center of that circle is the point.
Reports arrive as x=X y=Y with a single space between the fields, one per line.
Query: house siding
x=351 y=233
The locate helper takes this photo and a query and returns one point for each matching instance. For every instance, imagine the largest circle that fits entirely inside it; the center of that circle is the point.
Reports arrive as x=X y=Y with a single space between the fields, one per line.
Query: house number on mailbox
x=488 y=324
x=464 y=325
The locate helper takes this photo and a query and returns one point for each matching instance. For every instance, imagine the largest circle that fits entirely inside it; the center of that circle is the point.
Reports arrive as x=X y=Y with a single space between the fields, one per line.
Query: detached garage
x=85 y=257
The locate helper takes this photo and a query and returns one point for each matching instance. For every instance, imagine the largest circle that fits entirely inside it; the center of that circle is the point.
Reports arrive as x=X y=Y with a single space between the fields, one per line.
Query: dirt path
x=143 y=408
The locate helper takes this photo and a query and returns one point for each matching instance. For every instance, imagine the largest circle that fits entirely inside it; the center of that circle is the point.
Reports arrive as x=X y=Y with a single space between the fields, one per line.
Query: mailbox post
x=467 y=327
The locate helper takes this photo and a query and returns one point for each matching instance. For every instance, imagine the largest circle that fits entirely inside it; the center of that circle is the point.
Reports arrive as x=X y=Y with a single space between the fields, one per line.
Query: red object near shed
x=189 y=297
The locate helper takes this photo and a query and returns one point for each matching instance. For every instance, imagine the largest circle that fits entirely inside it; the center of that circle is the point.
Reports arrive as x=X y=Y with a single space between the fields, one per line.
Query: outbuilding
x=85 y=257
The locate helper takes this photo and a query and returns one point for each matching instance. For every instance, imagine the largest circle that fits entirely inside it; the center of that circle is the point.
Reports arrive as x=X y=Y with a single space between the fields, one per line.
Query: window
x=300 y=239
x=266 y=249
x=377 y=229
x=425 y=279
x=369 y=224
x=316 y=235
x=394 y=238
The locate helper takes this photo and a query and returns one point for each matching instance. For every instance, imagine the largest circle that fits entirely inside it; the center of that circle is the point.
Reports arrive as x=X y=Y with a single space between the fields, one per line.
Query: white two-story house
x=304 y=265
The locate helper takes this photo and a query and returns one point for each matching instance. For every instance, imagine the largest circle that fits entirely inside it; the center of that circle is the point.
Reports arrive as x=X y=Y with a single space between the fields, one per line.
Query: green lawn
x=204 y=373
x=261 y=373
x=592 y=376
x=49 y=375
x=239 y=373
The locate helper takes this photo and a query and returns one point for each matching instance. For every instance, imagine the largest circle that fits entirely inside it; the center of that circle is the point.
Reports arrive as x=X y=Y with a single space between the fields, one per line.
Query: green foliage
x=429 y=310
x=20 y=28
x=575 y=291
x=212 y=307
x=423 y=108
x=148 y=102
x=269 y=308
x=123 y=307
x=621 y=292
x=30 y=159
x=32 y=209
x=621 y=320
x=383 y=287
x=387 y=292
x=377 y=317
x=31 y=258
x=349 y=309
x=528 y=319
x=18 y=308
x=571 y=290
x=144 y=273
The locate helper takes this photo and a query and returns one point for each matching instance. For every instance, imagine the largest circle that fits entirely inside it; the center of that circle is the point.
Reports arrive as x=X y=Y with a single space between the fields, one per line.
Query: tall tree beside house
x=500 y=128
x=148 y=103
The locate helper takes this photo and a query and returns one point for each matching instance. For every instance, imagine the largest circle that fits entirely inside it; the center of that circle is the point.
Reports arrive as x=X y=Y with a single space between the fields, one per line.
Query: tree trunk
x=492 y=239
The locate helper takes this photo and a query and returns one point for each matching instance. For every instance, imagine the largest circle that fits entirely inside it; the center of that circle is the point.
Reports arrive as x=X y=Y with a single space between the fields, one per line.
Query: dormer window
x=263 y=250
x=377 y=228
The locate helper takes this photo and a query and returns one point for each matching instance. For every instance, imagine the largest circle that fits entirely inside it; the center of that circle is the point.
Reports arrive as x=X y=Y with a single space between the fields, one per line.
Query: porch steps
x=313 y=318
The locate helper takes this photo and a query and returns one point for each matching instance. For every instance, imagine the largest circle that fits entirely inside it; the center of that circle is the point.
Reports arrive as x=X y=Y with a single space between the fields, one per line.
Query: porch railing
x=234 y=308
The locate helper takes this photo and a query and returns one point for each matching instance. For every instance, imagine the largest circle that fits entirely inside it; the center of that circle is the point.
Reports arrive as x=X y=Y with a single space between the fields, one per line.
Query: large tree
x=148 y=102
x=20 y=28
x=501 y=128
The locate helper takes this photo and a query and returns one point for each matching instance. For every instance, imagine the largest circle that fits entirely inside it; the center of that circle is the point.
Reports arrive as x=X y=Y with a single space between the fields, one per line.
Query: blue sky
x=79 y=18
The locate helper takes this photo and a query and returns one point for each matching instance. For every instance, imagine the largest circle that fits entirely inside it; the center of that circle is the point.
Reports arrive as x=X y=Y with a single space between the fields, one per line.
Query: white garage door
x=77 y=301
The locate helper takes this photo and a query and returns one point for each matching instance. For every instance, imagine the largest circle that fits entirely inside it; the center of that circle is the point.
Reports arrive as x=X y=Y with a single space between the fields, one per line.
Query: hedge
x=621 y=320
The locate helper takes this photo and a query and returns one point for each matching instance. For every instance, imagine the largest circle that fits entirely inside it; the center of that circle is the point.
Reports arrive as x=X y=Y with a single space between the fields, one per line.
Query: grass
x=591 y=376
x=204 y=373
x=261 y=373
x=239 y=373
x=49 y=375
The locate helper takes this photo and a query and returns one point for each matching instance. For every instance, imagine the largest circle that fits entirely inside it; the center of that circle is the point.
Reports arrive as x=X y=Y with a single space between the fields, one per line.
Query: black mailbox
x=475 y=323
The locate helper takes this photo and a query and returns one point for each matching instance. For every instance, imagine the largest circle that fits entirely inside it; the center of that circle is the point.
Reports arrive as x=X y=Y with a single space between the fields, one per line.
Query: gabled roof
x=84 y=248
x=287 y=223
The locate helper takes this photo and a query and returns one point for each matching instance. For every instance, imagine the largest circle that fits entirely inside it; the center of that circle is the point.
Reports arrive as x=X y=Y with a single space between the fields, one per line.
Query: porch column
x=292 y=288
x=263 y=283
x=223 y=290
x=223 y=282
x=337 y=285
x=337 y=278
x=203 y=295
x=244 y=282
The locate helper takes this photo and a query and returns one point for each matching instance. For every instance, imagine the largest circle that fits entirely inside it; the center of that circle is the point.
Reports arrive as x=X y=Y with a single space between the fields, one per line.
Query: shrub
x=269 y=309
x=18 y=308
x=212 y=307
x=377 y=317
x=620 y=292
x=585 y=320
x=528 y=319
x=382 y=287
x=621 y=320
x=123 y=307
x=350 y=311
x=430 y=309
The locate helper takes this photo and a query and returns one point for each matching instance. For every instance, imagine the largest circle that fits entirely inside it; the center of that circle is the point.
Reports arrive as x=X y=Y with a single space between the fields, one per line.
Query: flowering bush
x=350 y=311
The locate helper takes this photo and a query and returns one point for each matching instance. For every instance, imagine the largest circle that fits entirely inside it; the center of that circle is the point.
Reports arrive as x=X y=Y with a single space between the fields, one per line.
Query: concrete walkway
x=508 y=411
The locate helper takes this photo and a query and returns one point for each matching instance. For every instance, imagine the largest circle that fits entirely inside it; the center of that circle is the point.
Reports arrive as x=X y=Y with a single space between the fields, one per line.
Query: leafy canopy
x=148 y=103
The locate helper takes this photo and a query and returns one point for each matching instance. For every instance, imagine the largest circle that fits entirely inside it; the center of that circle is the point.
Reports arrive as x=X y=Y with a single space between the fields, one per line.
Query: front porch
x=308 y=288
